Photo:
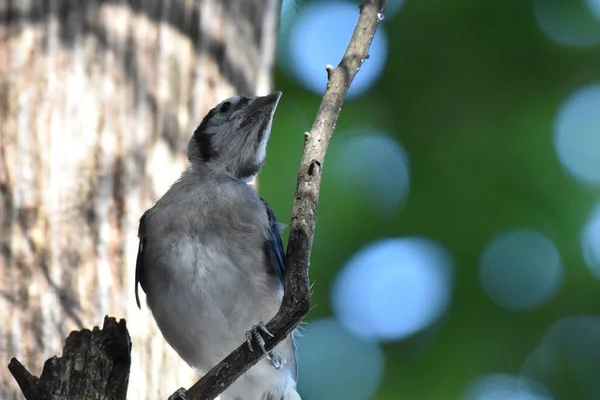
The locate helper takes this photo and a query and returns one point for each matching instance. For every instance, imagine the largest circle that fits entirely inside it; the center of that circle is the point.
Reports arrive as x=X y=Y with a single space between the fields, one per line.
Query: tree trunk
x=97 y=102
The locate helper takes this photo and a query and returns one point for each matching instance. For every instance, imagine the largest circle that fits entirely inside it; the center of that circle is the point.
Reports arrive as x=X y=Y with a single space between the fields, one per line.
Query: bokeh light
x=521 y=269
x=374 y=165
x=568 y=22
x=334 y=364
x=590 y=242
x=594 y=6
x=505 y=387
x=577 y=134
x=569 y=350
x=393 y=288
x=289 y=11
x=319 y=36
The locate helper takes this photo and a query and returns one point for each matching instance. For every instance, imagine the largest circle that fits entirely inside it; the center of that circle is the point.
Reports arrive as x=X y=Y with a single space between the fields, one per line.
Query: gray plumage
x=211 y=259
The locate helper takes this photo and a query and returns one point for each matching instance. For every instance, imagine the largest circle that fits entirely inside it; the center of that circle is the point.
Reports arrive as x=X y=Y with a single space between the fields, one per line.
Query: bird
x=211 y=257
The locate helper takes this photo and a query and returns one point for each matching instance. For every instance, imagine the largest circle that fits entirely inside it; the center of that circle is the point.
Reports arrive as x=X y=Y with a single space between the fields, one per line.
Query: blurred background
x=457 y=250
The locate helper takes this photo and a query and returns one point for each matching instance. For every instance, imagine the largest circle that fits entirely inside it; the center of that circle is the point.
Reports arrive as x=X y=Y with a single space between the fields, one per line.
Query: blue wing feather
x=276 y=254
x=274 y=245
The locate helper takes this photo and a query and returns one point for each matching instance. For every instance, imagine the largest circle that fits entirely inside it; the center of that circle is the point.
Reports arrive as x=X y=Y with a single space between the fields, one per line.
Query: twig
x=296 y=299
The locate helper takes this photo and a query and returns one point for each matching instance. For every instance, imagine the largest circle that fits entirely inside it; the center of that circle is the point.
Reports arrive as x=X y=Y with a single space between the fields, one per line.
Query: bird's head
x=233 y=136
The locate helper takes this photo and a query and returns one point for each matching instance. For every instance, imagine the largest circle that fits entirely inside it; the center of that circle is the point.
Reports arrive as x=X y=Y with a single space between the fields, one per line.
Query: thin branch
x=296 y=299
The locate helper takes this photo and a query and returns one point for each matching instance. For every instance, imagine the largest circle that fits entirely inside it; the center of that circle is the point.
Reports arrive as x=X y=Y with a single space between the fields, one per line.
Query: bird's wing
x=274 y=245
x=139 y=265
x=276 y=254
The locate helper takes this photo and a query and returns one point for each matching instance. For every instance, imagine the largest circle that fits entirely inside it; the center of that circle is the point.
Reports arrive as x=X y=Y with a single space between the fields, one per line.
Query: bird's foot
x=179 y=394
x=255 y=332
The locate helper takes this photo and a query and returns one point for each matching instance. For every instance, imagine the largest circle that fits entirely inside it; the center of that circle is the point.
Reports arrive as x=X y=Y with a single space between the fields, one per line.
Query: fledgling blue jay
x=210 y=257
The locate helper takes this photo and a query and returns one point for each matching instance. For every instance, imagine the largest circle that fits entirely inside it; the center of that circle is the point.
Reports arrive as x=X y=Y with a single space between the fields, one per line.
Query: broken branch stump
x=94 y=365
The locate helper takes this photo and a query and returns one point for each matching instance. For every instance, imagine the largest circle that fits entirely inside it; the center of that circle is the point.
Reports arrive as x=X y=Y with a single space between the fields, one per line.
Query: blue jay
x=210 y=257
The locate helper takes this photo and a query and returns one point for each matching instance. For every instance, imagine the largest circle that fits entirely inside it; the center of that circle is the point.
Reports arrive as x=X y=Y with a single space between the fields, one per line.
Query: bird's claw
x=180 y=394
x=254 y=332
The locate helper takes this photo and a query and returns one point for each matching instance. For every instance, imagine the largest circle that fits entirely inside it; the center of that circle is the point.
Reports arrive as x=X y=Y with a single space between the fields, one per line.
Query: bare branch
x=296 y=300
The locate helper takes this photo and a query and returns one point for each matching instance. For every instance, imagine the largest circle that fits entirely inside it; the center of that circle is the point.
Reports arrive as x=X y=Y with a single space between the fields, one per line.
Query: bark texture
x=98 y=99
x=94 y=365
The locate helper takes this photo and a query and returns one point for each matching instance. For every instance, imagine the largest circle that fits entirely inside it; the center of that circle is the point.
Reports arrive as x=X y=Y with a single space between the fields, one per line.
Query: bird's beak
x=265 y=103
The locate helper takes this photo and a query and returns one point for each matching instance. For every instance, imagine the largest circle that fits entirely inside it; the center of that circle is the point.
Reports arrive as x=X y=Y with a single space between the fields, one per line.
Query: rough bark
x=296 y=300
x=97 y=101
x=94 y=365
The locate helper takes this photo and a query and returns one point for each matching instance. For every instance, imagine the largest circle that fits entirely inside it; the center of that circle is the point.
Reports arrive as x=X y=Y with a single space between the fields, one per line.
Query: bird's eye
x=224 y=107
